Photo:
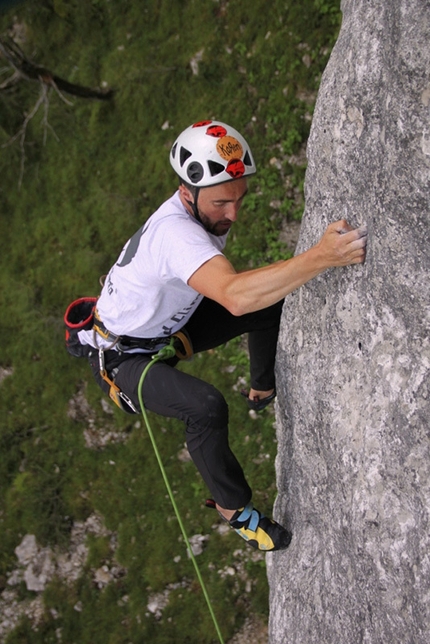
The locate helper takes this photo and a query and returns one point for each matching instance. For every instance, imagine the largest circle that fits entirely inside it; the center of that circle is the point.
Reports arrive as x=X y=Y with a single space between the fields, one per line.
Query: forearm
x=256 y=289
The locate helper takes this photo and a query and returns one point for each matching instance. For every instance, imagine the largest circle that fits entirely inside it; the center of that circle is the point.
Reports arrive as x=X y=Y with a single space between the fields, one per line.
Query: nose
x=232 y=210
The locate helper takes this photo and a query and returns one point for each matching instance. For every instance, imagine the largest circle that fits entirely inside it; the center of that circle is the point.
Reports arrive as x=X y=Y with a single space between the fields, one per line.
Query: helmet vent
x=174 y=150
x=215 y=168
x=195 y=172
x=184 y=154
x=247 y=159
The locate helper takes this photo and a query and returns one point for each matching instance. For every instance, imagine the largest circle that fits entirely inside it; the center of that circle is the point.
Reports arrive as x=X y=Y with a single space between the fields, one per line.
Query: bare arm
x=256 y=289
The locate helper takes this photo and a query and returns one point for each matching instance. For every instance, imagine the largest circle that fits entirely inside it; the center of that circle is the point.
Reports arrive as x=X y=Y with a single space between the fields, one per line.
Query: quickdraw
x=115 y=394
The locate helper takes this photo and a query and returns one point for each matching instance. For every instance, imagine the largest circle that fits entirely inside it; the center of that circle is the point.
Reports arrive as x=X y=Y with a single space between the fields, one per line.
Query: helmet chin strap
x=194 y=207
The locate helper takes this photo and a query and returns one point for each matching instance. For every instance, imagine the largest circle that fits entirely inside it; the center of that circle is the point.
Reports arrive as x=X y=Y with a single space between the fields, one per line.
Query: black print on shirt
x=132 y=246
x=180 y=315
x=109 y=283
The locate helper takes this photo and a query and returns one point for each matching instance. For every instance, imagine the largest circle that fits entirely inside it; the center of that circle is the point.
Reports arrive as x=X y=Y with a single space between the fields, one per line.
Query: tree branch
x=24 y=69
x=28 y=70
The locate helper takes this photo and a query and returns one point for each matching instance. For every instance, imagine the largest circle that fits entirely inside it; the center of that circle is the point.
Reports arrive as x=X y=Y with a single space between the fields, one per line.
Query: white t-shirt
x=145 y=294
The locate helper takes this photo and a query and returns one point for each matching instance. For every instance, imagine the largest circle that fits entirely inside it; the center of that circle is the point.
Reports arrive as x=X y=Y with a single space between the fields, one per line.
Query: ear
x=186 y=193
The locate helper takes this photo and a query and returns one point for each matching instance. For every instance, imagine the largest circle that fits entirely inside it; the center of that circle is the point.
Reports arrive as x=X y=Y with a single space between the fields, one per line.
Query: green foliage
x=88 y=183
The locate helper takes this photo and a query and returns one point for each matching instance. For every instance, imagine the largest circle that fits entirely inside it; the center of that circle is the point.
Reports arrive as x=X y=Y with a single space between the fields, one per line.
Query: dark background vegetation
x=87 y=182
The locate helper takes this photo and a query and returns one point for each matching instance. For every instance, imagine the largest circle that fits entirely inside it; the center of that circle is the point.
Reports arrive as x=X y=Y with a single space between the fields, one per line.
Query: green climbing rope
x=164 y=354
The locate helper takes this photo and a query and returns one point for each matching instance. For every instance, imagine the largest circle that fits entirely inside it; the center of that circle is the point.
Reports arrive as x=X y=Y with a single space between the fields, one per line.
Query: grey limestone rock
x=353 y=363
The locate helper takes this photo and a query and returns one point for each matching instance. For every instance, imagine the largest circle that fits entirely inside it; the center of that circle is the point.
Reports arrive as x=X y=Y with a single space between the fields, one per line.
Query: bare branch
x=23 y=131
x=27 y=120
x=63 y=98
x=12 y=80
x=47 y=125
x=30 y=71
x=43 y=98
x=25 y=69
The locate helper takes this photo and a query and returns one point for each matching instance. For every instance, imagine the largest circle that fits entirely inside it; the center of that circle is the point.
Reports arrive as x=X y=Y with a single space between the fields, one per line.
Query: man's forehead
x=226 y=191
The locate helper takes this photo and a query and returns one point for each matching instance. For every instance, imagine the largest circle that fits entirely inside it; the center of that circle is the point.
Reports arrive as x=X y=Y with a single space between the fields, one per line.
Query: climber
x=172 y=276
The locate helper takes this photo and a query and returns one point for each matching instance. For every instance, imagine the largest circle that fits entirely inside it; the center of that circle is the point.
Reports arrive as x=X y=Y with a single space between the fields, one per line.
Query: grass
x=83 y=193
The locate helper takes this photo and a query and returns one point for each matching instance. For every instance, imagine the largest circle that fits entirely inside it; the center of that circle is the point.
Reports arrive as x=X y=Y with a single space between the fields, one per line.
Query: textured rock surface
x=353 y=366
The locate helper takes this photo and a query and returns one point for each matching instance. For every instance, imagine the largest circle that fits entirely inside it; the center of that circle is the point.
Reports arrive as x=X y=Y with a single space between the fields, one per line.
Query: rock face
x=353 y=411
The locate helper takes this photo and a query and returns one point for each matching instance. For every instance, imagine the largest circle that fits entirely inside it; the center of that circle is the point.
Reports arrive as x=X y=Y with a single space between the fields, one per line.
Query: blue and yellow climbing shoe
x=257 y=530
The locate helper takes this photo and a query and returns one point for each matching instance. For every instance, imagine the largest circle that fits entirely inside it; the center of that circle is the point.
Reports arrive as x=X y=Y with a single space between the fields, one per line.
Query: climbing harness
x=150 y=345
x=169 y=351
x=82 y=315
x=180 y=342
x=182 y=349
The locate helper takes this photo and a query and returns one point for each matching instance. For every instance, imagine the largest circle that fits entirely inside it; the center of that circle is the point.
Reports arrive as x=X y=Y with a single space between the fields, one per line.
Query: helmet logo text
x=229 y=148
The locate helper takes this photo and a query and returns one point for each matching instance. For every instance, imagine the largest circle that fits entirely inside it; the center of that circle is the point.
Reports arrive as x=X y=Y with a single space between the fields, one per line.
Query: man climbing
x=172 y=276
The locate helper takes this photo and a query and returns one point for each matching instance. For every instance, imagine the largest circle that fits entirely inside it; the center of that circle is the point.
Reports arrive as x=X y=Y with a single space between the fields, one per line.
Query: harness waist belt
x=127 y=342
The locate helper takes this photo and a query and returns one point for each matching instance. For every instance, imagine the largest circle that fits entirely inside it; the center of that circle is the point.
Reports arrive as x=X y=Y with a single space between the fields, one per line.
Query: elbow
x=236 y=311
x=236 y=307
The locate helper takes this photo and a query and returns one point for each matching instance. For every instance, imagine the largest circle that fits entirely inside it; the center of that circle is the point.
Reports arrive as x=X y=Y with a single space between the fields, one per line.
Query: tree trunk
x=353 y=362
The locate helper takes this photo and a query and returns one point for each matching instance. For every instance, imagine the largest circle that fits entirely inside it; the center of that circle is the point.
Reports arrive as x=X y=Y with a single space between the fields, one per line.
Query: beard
x=218 y=228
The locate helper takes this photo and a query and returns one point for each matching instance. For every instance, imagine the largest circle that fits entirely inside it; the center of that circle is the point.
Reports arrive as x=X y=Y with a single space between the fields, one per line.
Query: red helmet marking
x=235 y=168
x=217 y=131
x=202 y=123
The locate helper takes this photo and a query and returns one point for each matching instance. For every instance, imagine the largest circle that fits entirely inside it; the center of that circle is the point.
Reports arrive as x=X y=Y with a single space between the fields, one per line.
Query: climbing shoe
x=258 y=404
x=257 y=530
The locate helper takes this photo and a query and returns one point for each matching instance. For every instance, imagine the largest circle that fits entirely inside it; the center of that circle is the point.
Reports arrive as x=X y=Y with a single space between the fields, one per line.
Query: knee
x=210 y=410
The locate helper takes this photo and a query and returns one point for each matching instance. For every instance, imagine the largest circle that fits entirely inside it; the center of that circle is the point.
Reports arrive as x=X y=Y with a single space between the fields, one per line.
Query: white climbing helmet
x=210 y=152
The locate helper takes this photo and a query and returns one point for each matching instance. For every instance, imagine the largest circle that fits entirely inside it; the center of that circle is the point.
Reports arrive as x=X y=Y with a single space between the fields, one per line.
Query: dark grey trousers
x=171 y=393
